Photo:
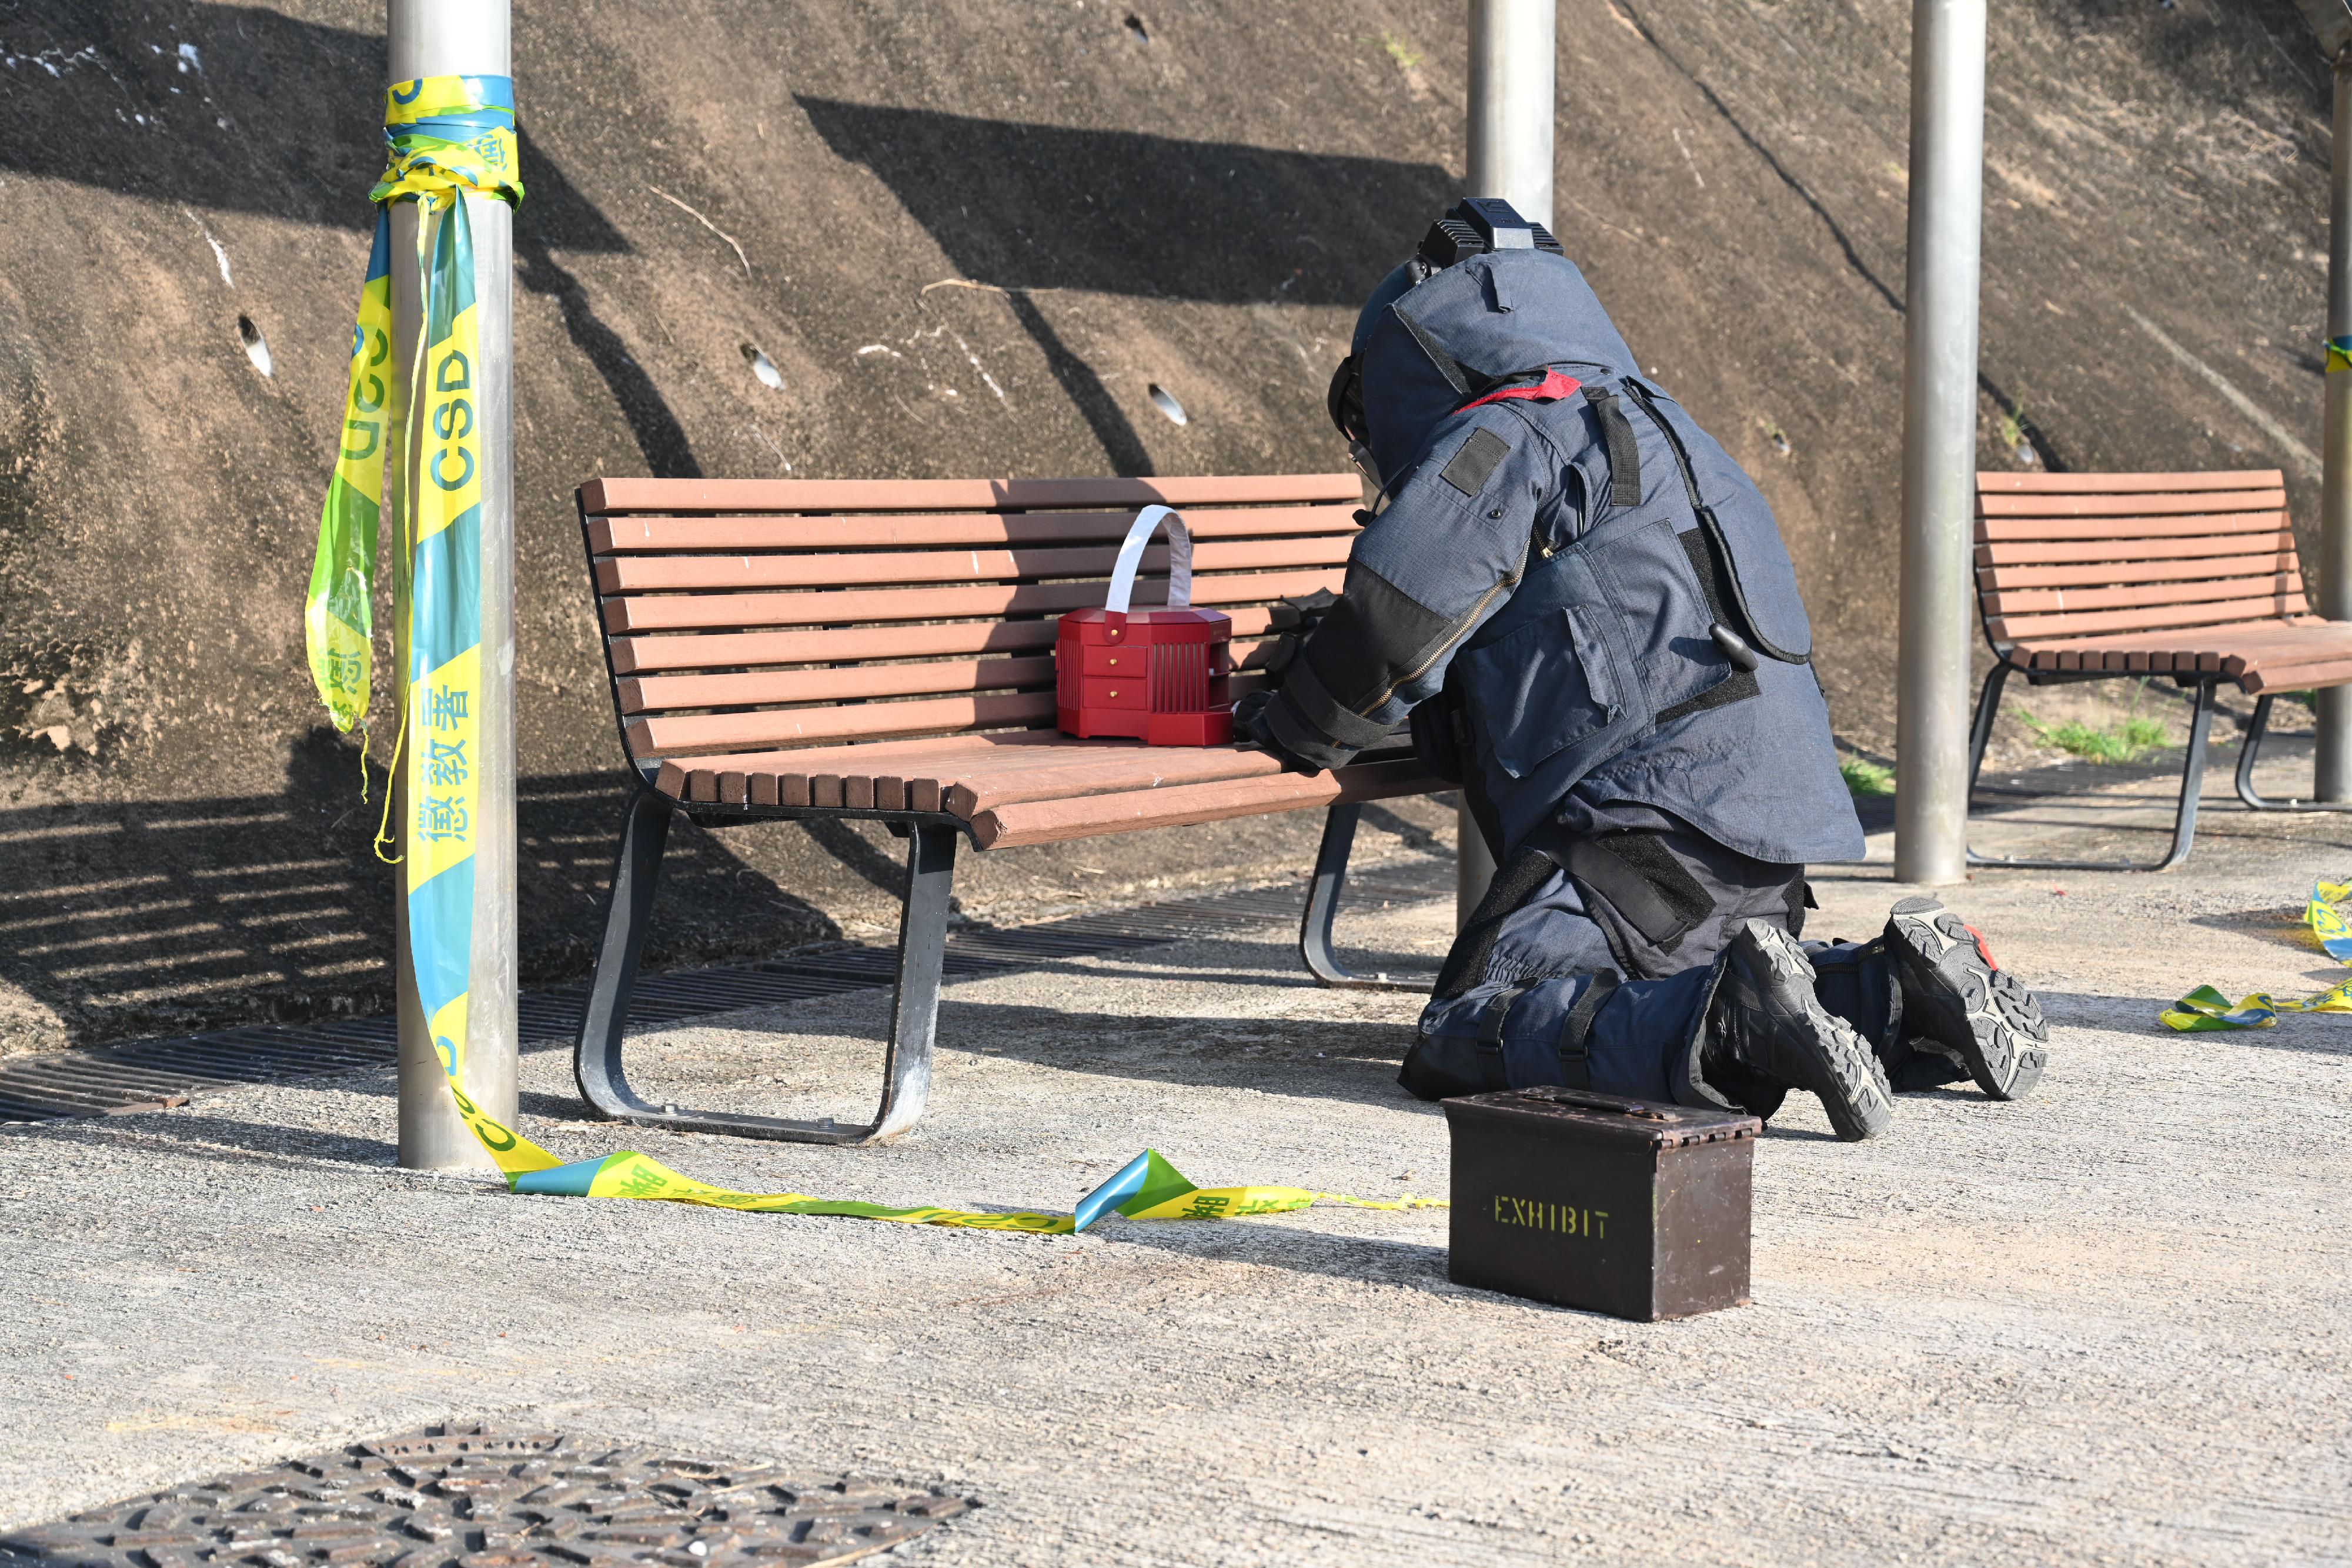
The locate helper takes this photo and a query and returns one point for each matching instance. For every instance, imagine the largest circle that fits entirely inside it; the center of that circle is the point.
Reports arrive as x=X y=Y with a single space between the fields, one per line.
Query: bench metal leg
x=2254 y=733
x=596 y=1060
x=1980 y=727
x=1323 y=907
x=2184 y=819
x=914 y=1016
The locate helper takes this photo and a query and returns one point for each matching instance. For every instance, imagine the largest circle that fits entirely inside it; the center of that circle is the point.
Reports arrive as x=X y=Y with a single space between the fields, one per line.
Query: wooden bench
x=884 y=651
x=2087 y=577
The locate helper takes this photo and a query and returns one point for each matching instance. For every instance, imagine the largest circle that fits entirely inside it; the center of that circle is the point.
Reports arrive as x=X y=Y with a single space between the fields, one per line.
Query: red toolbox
x=1157 y=675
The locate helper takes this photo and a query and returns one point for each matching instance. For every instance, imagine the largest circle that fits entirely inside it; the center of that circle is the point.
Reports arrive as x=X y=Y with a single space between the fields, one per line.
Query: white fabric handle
x=1130 y=556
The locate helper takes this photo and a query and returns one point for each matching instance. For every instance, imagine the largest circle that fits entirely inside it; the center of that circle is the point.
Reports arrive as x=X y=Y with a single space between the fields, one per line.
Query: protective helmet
x=1476 y=225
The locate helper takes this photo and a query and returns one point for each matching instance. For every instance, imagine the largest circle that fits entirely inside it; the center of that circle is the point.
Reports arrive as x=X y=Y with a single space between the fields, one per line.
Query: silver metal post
x=1939 y=440
x=462 y=38
x=1512 y=54
x=2333 y=595
x=1511 y=103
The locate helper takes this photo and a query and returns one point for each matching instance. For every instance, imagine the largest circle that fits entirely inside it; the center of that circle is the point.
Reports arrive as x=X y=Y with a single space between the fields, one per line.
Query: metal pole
x=1512 y=109
x=2335 y=585
x=467 y=38
x=1511 y=103
x=1939 y=440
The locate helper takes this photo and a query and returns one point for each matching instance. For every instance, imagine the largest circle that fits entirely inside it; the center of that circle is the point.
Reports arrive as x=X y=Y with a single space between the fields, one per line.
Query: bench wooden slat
x=718 y=611
x=2125 y=484
x=2134 y=505
x=976 y=778
x=912 y=769
x=2149 y=648
x=989 y=784
x=931 y=778
x=2124 y=574
x=897 y=753
x=738 y=650
x=2298 y=677
x=735 y=650
x=2023 y=552
x=2252 y=668
x=1186 y=805
x=2253 y=639
x=2042 y=628
x=2125 y=532
x=604 y=497
x=643 y=535
x=2017 y=604
x=876 y=759
x=928 y=678
x=628 y=574
x=685 y=733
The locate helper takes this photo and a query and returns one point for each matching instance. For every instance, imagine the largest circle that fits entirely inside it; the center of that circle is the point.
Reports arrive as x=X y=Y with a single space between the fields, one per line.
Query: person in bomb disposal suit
x=1584 y=608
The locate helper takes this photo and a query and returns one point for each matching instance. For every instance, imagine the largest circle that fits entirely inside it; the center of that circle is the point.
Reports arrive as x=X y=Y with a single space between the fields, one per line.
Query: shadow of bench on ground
x=122 y=919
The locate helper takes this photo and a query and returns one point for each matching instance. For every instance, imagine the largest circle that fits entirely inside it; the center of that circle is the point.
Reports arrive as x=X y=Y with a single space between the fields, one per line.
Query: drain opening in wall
x=256 y=346
x=1165 y=401
x=764 y=368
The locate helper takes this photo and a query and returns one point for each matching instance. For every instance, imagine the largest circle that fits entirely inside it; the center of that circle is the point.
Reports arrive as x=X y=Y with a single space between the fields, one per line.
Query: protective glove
x=1252 y=732
x=1296 y=620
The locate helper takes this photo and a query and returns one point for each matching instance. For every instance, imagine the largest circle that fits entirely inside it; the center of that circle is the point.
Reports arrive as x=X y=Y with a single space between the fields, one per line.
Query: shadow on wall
x=305 y=155
x=158 y=916
x=93 y=74
x=1036 y=208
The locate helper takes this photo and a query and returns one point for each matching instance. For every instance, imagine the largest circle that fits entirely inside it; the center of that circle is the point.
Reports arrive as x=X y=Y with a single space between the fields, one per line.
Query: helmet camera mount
x=1476 y=225
x=1479 y=225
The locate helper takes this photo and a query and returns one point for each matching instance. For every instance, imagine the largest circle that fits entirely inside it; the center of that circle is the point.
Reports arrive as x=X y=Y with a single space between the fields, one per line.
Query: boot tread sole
x=1985 y=1015
x=1860 y=1103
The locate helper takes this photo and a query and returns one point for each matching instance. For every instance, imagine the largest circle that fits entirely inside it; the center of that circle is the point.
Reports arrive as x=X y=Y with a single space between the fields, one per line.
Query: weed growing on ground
x=1865 y=778
x=1404 y=54
x=2127 y=739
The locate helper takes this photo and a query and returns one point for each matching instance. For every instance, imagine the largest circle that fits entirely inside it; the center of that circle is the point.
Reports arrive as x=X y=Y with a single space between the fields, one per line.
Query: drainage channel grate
x=148 y=1074
x=468 y=1497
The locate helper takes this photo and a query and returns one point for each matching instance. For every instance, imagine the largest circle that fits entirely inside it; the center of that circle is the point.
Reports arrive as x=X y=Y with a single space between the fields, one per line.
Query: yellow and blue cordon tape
x=2206 y=1009
x=444 y=137
x=447 y=137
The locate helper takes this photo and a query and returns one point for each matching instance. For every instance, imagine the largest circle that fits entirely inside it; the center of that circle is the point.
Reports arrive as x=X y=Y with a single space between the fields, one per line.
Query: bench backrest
x=750 y=615
x=2065 y=556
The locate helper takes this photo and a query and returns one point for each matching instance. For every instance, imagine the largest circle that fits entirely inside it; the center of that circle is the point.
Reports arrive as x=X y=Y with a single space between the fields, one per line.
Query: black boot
x=1764 y=1022
x=1858 y=981
x=1977 y=1014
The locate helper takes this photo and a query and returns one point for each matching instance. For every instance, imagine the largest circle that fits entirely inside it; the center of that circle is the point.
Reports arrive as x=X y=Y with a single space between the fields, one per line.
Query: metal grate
x=148 y=1074
x=466 y=1497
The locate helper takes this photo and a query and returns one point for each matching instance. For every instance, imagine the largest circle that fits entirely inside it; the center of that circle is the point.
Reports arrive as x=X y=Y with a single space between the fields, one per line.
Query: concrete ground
x=2100 y=1325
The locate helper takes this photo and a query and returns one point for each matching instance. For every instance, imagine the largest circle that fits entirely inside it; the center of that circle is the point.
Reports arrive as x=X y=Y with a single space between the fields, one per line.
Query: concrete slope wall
x=971 y=238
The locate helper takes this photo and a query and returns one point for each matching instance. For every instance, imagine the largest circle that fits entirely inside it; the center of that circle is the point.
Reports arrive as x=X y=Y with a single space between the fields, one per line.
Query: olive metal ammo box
x=1586 y=1200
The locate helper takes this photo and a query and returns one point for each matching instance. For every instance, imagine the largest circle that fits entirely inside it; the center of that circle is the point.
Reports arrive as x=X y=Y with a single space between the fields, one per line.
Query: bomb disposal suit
x=1586 y=608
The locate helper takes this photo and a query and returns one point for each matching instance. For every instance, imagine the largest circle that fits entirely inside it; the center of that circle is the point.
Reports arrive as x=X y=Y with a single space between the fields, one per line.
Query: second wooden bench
x=2189 y=577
